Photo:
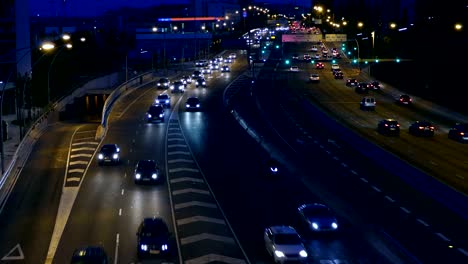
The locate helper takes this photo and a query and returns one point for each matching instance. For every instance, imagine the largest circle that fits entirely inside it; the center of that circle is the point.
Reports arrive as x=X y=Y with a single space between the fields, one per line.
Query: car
x=317 y=56
x=338 y=75
x=163 y=99
x=215 y=66
x=324 y=50
x=200 y=82
x=319 y=65
x=228 y=60
x=422 y=128
x=314 y=48
x=367 y=103
x=233 y=56
x=153 y=238
x=459 y=132
x=155 y=113
x=405 y=99
x=192 y=103
x=207 y=70
x=147 y=171
x=307 y=57
x=335 y=66
x=376 y=85
x=351 y=82
x=295 y=56
x=389 y=127
x=294 y=68
x=284 y=244
x=89 y=255
x=314 y=77
x=362 y=88
x=197 y=74
x=318 y=217
x=225 y=68
x=186 y=79
x=163 y=83
x=177 y=87
x=109 y=154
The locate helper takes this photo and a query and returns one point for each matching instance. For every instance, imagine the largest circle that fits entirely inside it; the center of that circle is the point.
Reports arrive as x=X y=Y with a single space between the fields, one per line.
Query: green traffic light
x=333 y=61
x=355 y=48
x=287 y=61
x=263 y=52
x=354 y=61
x=397 y=60
x=277 y=46
x=376 y=60
x=349 y=52
x=312 y=61
x=366 y=62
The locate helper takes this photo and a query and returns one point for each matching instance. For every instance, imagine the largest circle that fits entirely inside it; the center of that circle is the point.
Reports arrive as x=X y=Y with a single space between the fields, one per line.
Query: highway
x=214 y=199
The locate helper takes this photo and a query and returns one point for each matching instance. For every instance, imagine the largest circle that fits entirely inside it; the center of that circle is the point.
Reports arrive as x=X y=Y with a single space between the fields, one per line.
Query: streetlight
x=68 y=46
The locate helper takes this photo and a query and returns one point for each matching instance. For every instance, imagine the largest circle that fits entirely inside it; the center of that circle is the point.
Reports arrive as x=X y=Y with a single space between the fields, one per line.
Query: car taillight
x=398 y=125
x=432 y=127
x=421 y=127
x=462 y=133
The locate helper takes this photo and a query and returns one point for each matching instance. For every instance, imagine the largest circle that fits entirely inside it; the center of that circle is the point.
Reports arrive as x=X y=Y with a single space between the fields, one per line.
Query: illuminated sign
x=172 y=19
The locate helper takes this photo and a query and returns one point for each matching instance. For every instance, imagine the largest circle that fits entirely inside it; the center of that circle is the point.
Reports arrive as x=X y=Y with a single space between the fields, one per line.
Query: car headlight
x=118 y=149
x=161 y=115
x=144 y=247
x=334 y=225
x=167 y=101
x=187 y=105
x=303 y=253
x=154 y=176
x=204 y=83
x=198 y=105
x=100 y=156
x=279 y=254
x=315 y=226
x=157 y=101
x=164 y=247
x=137 y=176
x=172 y=87
x=115 y=156
x=149 y=115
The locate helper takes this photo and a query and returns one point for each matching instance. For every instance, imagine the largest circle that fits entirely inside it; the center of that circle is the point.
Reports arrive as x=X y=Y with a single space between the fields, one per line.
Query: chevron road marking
x=183 y=169
x=73 y=179
x=183 y=179
x=85 y=143
x=80 y=149
x=78 y=162
x=200 y=218
x=176 y=145
x=190 y=190
x=215 y=258
x=180 y=160
x=81 y=155
x=203 y=236
x=194 y=203
x=178 y=152
x=76 y=170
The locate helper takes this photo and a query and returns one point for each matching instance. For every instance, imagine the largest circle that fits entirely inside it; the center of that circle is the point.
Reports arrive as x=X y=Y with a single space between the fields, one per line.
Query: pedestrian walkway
x=11 y=143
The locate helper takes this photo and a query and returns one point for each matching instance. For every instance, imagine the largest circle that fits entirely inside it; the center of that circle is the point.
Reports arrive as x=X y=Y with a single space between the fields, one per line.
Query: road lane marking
x=389 y=198
x=405 y=210
x=190 y=190
x=183 y=169
x=178 y=152
x=180 y=160
x=116 y=254
x=16 y=249
x=122 y=193
x=354 y=172
x=364 y=180
x=214 y=258
x=464 y=252
x=73 y=179
x=81 y=155
x=78 y=162
x=422 y=222
x=176 y=145
x=376 y=189
x=83 y=148
x=194 y=203
x=120 y=212
x=183 y=179
x=76 y=170
x=203 y=236
x=200 y=218
x=442 y=236
x=85 y=143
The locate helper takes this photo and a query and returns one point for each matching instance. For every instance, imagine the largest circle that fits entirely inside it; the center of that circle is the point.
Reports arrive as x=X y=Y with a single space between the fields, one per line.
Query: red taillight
x=398 y=125
x=421 y=127
x=462 y=133
x=386 y=124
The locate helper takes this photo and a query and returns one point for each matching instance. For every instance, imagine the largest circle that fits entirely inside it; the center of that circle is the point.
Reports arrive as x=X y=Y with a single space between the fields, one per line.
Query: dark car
x=163 y=83
x=422 y=128
x=192 y=103
x=351 y=82
x=405 y=99
x=318 y=217
x=89 y=255
x=109 y=154
x=155 y=113
x=376 y=85
x=153 y=238
x=164 y=100
x=186 y=79
x=459 y=132
x=338 y=75
x=225 y=68
x=388 y=127
x=178 y=87
x=200 y=82
x=147 y=171
x=197 y=74
x=362 y=88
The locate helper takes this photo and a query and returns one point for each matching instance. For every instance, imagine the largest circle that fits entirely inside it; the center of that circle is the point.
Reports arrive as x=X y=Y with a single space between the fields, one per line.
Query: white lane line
x=354 y=172
x=81 y=155
x=344 y=164
x=190 y=190
x=84 y=139
x=174 y=134
x=174 y=128
x=336 y=158
x=405 y=210
x=464 y=252
x=116 y=254
x=85 y=143
x=442 y=236
x=73 y=179
x=183 y=179
x=422 y=222
x=376 y=189
x=459 y=176
x=180 y=160
x=194 y=203
x=321 y=146
x=183 y=169
x=76 y=170
x=176 y=145
x=120 y=212
x=122 y=193
x=85 y=131
x=78 y=162
x=328 y=152
x=81 y=149
x=175 y=139
x=389 y=198
x=203 y=236
x=364 y=180
x=178 y=152
x=200 y=218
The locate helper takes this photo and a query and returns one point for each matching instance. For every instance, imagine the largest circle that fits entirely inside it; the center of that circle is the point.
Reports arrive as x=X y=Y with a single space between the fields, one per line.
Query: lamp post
x=68 y=46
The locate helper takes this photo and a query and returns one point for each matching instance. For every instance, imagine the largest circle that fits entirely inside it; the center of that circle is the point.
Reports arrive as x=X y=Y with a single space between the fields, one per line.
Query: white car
x=314 y=77
x=335 y=66
x=284 y=244
x=314 y=49
x=317 y=56
x=294 y=68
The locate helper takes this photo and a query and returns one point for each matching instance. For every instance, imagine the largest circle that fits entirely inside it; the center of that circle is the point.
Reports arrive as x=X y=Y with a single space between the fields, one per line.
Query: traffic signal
x=263 y=52
x=333 y=61
x=354 y=61
x=277 y=46
x=312 y=61
x=366 y=62
x=287 y=62
x=349 y=52
x=376 y=60
x=343 y=47
x=397 y=60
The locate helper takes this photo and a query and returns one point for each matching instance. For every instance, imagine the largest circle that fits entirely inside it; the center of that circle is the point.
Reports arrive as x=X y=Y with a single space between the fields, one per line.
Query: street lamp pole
x=50 y=68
